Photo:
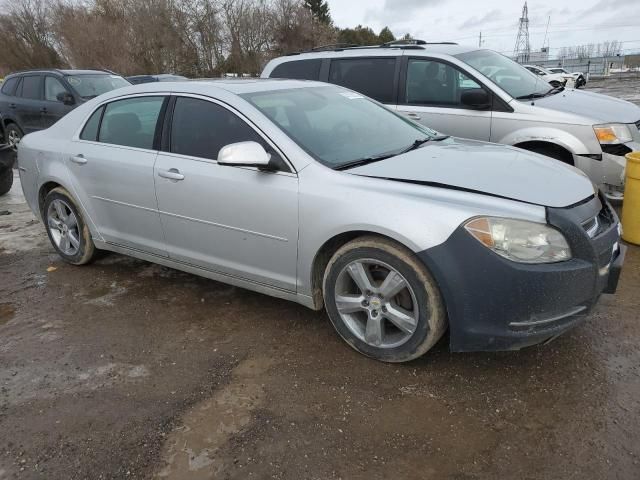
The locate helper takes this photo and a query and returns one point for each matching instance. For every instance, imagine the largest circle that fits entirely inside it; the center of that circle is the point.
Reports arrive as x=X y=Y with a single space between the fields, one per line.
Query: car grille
x=600 y=222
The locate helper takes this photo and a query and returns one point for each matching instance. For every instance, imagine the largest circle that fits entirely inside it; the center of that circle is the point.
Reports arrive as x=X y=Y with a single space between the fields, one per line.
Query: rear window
x=299 y=70
x=90 y=130
x=10 y=85
x=373 y=77
x=31 y=87
x=131 y=122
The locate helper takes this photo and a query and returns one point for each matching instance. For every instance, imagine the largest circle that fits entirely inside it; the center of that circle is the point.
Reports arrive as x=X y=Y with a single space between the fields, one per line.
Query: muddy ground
x=124 y=369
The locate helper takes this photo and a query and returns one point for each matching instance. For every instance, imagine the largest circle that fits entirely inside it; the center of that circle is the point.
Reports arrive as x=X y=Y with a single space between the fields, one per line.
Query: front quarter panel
x=417 y=216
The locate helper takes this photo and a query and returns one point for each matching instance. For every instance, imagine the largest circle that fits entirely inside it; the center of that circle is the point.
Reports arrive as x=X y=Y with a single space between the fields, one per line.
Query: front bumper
x=496 y=304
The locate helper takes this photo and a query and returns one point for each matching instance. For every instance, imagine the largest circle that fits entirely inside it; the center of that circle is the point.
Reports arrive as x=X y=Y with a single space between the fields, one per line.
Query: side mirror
x=244 y=154
x=477 y=98
x=66 y=98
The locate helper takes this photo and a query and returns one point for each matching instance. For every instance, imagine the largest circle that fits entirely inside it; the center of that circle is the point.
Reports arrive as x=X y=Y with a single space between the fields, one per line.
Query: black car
x=35 y=99
x=163 y=77
x=7 y=158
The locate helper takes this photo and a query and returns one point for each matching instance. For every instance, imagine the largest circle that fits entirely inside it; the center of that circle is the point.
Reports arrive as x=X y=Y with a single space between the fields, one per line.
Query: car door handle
x=171 y=174
x=413 y=116
x=43 y=110
x=79 y=159
x=12 y=105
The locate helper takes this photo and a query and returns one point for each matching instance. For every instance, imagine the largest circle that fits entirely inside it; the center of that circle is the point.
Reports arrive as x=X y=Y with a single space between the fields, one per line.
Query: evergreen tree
x=319 y=9
x=386 y=35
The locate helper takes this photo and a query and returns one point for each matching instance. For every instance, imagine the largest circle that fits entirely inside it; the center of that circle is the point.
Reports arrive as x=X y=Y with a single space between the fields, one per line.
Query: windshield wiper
x=531 y=96
x=363 y=161
x=554 y=90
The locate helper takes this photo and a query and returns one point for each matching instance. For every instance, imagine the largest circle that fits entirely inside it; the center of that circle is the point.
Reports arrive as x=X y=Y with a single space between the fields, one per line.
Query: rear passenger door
x=238 y=221
x=431 y=94
x=111 y=169
x=375 y=77
x=28 y=106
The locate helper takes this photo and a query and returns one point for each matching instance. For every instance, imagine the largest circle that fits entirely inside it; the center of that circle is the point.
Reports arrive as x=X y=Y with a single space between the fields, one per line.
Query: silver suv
x=317 y=194
x=480 y=94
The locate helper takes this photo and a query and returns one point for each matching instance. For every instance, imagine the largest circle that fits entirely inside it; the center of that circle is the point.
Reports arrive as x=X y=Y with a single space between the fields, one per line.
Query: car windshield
x=512 y=77
x=90 y=85
x=339 y=127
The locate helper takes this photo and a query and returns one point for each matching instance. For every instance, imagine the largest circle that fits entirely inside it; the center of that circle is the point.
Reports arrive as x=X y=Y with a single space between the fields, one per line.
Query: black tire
x=6 y=181
x=431 y=322
x=580 y=82
x=86 y=251
x=555 y=84
x=13 y=130
x=550 y=150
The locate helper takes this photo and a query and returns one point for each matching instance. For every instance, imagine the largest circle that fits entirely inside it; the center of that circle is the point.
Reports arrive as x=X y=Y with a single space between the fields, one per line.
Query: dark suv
x=7 y=159
x=35 y=99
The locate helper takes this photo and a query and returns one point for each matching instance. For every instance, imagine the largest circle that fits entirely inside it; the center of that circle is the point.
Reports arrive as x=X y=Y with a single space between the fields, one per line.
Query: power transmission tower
x=522 y=49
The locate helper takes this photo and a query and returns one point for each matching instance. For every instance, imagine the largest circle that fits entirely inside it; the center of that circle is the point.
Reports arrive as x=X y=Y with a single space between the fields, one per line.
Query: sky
x=571 y=22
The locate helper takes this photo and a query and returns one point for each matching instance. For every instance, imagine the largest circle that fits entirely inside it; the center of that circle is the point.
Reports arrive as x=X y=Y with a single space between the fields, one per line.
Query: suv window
x=131 y=122
x=31 y=87
x=201 y=128
x=90 y=130
x=436 y=83
x=299 y=70
x=10 y=85
x=373 y=77
x=52 y=87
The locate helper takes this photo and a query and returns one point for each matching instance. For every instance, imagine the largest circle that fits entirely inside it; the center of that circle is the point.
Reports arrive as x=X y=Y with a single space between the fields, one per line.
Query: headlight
x=612 y=134
x=520 y=241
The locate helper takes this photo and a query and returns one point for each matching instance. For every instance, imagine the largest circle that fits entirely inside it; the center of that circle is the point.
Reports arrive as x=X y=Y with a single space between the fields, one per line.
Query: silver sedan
x=317 y=194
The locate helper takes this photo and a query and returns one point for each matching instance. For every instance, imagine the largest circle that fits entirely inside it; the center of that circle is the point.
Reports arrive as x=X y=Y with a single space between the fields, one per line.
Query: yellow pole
x=631 y=205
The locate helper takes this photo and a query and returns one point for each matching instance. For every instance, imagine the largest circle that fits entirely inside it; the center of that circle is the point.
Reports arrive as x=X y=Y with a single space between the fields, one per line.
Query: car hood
x=601 y=108
x=486 y=168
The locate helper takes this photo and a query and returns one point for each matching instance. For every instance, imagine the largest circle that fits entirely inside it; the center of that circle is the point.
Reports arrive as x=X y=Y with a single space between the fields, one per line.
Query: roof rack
x=404 y=44
x=28 y=70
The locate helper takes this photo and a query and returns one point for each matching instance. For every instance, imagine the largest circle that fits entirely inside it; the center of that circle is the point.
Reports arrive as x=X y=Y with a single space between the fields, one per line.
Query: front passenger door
x=237 y=221
x=432 y=96
x=53 y=109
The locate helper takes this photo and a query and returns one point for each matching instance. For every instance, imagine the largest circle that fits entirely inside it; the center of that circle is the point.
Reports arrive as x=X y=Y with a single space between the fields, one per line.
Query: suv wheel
x=383 y=301
x=67 y=229
x=14 y=135
x=6 y=181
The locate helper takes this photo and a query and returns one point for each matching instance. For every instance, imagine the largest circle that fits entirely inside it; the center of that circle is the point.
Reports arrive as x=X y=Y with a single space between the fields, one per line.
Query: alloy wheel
x=63 y=226
x=376 y=303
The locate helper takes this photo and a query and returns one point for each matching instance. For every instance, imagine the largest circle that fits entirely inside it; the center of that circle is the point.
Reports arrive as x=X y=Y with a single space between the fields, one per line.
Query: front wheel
x=67 y=229
x=6 y=181
x=14 y=135
x=382 y=300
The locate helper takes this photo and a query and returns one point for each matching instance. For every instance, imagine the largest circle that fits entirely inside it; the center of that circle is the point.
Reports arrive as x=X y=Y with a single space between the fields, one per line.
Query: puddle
x=7 y=312
x=192 y=449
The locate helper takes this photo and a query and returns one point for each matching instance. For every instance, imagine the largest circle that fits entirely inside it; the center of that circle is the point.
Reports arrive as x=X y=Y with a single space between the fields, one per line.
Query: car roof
x=209 y=87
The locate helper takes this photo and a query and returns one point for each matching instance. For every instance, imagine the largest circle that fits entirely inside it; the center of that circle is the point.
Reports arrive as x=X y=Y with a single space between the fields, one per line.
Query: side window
x=201 y=128
x=373 y=77
x=10 y=85
x=90 y=130
x=298 y=69
x=32 y=87
x=435 y=83
x=131 y=122
x=52 y=87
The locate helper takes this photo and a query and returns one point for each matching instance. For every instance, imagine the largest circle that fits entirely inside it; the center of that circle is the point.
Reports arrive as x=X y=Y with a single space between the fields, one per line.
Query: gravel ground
x=124 y=369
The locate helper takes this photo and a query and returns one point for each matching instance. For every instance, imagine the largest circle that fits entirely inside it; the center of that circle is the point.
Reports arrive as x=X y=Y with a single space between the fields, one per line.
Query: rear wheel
x=382 y=300
x=67 y=229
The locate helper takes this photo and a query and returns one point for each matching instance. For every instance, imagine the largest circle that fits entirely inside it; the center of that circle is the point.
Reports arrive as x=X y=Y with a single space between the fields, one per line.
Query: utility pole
x=480 y=40
x=522 y=48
